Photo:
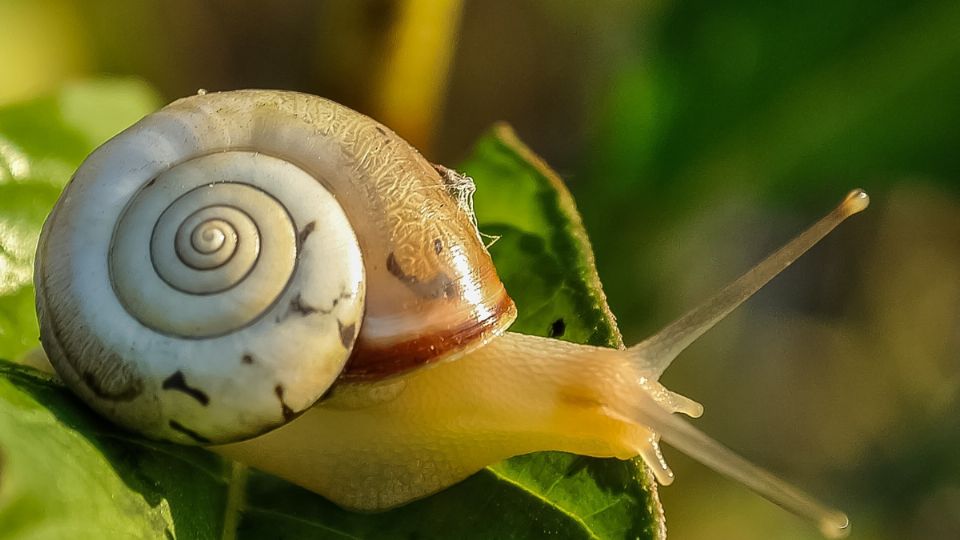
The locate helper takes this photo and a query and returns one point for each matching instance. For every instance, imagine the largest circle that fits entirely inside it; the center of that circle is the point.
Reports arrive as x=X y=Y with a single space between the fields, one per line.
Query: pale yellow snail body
x=215 y=270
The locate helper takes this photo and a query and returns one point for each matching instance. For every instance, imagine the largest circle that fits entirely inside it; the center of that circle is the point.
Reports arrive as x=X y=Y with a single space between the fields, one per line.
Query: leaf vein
x=576 y=519
x=288 y=517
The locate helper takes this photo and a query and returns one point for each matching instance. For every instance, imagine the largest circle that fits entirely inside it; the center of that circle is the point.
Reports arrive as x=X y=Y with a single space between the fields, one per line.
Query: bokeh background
x=696 y=137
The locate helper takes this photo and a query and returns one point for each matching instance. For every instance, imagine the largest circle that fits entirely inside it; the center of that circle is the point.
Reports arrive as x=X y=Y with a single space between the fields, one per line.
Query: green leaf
x=41 y=143
x=65 y=472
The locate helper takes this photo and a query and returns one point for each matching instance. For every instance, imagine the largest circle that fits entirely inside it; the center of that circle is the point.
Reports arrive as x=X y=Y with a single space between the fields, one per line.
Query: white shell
x=194 y=294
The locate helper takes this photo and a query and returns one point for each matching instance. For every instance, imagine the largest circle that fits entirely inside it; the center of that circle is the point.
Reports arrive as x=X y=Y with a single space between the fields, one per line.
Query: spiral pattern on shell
x=220 y=251
x=195 y=293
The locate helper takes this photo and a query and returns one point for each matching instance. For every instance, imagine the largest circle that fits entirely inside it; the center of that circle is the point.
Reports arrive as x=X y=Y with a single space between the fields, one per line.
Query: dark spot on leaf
x=179 y=383
x=126 y=392
x=348 y=334
x=287 y=412
x=247 y=359
x=558 y=328
x=177 y=426
x=307 y=229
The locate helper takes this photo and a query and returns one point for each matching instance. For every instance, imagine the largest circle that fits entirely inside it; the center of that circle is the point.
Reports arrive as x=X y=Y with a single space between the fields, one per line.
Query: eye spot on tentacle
x=348 y=334
x=557 y=328
x=179 y=383
x=305 y=232
x=287 y=412
x=177 y=426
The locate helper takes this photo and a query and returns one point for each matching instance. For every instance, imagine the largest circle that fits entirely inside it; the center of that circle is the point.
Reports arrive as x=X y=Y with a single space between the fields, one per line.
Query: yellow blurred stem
x=416 y=66
x=42 y=44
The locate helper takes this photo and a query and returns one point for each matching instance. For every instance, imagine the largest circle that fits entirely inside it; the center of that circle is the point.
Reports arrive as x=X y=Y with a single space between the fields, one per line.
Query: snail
x=289 y=283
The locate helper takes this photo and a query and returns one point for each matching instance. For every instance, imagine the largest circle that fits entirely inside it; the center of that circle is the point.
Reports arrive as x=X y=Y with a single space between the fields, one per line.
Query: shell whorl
x=200 y=243
x=201 y=297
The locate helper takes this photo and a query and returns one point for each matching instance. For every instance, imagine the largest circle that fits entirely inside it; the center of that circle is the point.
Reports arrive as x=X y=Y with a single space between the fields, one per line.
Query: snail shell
x=211 y=271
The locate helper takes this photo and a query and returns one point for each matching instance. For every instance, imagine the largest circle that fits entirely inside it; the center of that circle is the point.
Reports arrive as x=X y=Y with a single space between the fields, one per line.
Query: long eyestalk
x=659 y=350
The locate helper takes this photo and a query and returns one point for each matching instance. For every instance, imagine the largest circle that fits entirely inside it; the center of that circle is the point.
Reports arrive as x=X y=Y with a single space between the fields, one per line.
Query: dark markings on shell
x=557 y=328
x=307 y=229
x=297 y=306
x=179 y=383
x=177 y=426
x=437 y=245
x=112 y=392
x=247 y=359
x=151 y=182
x=440 y=286
x=288 y=413
x=381 y=130
x=348 y=334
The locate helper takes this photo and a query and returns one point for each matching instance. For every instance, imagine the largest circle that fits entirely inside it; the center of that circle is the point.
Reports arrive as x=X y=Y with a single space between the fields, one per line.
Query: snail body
x=287 y=281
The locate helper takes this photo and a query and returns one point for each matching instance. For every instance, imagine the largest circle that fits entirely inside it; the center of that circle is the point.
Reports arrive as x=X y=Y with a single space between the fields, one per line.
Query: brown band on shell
x=370 y=363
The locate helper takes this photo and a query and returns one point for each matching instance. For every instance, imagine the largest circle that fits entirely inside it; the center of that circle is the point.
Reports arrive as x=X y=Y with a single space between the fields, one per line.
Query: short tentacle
x=653 y=457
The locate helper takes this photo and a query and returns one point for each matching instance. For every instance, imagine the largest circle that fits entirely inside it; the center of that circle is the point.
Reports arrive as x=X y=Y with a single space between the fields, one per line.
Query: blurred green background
x=696 y=137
